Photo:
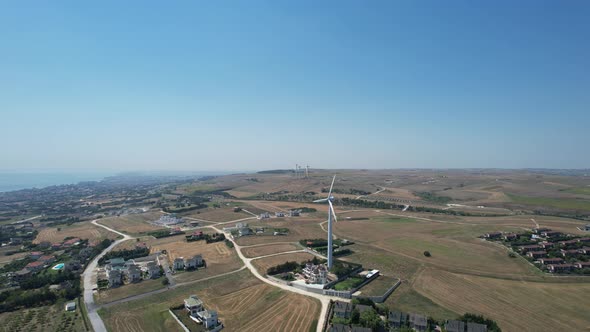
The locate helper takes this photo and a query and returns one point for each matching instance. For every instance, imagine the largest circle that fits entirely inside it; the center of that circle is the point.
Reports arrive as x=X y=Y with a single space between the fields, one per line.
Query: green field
x=561 y=203
x=578 y=190
x=348 y=283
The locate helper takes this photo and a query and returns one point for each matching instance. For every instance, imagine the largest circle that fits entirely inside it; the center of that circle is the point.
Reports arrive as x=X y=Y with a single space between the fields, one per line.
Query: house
x=342 y=309
x=553 y=268
x=244 y=231
x=360 y=329
x=525 y=249
x=55 y=245
x=116 y=262
x=208 y=317
x=35 y=266
x=279 y=214
x=584 y=240
x=316 y=274
x=193 y=305
x=493 y=235
x=475 y=327
x=153 y=270
x=193 y=262
x=510 y=236
x=362 y=308
x=178 y=263
x=582 y=265
x=22 y=274
x=547 y=261
x=536 y=254
x=587 y=228
x=114 y=277
x=264 y=215
x=569 y=252
x=16 y=240
x=546 y=245
x=455 y=326
x=551 y=233
x=71 y=242
x=541 y=230
x=70 y=306
x=397 y=319
x=35 y=254
x=339 y=328
x=47 y=259
x=294 y=213
x=418 y=322
x=567 y=243
x=132 y=273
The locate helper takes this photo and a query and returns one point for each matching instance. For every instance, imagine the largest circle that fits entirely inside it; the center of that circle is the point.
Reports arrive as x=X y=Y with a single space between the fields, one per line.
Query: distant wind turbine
x=331 y=214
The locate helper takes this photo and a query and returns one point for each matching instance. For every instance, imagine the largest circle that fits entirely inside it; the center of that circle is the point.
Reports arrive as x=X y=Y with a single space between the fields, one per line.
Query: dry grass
x=515 y=305
x=40 y=319
x=83 y=230
x=263 y=264
x=218 y=214
x=299 y=229
x=243 y=303
x=218 y=257
x=133 y=223
x=269 y=249
x=113 y=294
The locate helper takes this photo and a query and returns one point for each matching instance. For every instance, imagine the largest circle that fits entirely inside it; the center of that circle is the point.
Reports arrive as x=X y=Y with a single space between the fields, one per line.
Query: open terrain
x=262 y=250
x=262 y=264
x=40 y=319
x=133 y=224
x=243 y=303
x=83 y=230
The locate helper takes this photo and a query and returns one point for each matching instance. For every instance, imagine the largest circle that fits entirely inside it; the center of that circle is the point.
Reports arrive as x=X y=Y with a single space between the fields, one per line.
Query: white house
x=208 y=317
x=193 y=305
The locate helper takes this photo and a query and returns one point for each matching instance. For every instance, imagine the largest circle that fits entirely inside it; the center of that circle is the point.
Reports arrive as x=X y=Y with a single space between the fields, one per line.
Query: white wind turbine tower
x=331 y=214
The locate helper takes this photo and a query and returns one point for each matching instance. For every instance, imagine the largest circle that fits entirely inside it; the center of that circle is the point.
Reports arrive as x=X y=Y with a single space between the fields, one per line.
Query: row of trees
x=125 y=254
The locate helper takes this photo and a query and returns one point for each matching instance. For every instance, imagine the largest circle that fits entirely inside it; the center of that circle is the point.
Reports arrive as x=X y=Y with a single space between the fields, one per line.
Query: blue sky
x=246 y=85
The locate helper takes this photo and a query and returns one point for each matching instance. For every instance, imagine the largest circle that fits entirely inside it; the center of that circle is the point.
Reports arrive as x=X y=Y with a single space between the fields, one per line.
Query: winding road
x=95 y=320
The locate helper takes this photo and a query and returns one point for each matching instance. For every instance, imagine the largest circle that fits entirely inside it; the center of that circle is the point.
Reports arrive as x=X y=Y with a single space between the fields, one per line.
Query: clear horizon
x=243 y=86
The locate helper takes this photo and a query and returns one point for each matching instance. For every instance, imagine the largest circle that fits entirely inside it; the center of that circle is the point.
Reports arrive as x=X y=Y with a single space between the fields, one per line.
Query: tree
x=427 y=253
x=370 y=319
x=165 y=281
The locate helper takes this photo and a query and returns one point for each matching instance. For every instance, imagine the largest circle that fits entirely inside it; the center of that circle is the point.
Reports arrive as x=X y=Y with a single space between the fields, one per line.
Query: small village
x=551 y=251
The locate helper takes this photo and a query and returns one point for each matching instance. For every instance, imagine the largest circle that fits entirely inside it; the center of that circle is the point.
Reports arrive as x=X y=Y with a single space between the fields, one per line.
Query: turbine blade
x=332 y=210
x=332 y=185
x=320 y=200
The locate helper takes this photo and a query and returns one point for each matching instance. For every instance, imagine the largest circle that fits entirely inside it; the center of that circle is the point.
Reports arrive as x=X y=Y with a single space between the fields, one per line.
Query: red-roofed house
x=55 y=245
x=71 y=242
x=584 y=239
x=34 y=266
x=582 y=265
x=536 y=254
x=551 y=261
x=47 y=259
x=560 y=267
x=35 y=254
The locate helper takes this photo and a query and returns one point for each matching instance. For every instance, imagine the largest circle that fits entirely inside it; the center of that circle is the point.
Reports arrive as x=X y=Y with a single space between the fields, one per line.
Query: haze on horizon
x=261 y=85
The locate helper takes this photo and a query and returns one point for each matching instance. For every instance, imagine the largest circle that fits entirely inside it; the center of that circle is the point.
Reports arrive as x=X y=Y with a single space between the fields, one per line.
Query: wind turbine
x=331 y=214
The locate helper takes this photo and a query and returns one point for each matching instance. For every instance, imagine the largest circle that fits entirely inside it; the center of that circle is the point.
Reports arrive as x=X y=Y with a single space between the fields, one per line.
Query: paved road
x=95 y=320
x=324 y=299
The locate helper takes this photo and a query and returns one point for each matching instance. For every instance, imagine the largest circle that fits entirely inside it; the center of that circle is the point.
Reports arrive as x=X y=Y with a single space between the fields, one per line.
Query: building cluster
x=280 y=214
x=315 y=274
x=169 y=219
x=197 y=312
x=190 y=263
x=461 y=326
x=119 y=271
x=556 y=251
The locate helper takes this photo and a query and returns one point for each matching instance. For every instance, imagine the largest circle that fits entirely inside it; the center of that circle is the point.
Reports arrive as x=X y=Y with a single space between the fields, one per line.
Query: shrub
x=427 y=253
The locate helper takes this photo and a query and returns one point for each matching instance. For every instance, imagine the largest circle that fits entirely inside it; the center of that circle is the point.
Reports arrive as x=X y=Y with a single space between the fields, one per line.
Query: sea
x=10 y=181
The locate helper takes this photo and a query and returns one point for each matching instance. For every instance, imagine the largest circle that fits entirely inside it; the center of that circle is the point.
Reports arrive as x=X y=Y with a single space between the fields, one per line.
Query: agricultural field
x=243 y=304
x=222 y=214
x=133 y=224
x=262 y=250
x=47 y=318
x=299 y=229
x=4 y=259
x=83 y=230
x=515 y=305
x=114 y=294
x=263 y=264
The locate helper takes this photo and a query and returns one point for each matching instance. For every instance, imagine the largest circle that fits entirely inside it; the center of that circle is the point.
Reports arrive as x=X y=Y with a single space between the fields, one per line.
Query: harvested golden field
x=243 y=303
x=217 y=214
x=515 y=305
x=133 y=223
x=114 y=294
x=274 y=309
x=263 y=250
x=82 y=230
x=454 y=246
x=263 y=264
x=299 y=229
